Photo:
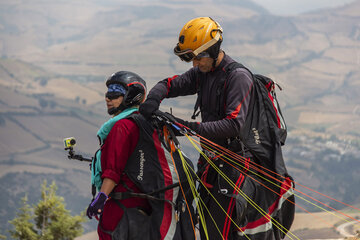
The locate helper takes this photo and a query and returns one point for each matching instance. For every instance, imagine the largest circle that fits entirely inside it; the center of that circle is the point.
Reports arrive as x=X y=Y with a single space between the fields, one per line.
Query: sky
x=293 y=7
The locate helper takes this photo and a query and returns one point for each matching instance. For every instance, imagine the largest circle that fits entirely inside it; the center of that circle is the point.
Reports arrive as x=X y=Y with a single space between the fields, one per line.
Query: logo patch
x=256 y=136
x=141 y=167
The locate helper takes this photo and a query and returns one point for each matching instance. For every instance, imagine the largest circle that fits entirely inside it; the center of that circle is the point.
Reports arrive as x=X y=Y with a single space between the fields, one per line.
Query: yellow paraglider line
x=260 y=210
x=252 y=165
x=193 y=191
x=217 y=204
x=222 y=149
x=183 y=193
x=324 y=204
x=172 y=146
x=253 y=204
x=196 y=195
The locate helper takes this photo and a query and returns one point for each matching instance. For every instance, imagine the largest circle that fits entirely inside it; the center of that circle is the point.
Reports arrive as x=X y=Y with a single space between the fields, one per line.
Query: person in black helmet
x=131 y=163
x=118 y=137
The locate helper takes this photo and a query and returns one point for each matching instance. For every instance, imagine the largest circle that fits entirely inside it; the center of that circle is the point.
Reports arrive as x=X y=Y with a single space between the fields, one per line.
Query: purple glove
x=97 y=205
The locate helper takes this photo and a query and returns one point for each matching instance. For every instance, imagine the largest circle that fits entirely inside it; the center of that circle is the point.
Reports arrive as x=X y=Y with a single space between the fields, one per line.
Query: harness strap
x=125 y=185
x=125 y=195
x=197 y=104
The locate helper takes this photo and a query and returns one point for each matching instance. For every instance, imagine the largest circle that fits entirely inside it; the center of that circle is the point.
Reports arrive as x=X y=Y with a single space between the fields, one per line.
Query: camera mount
x=79 y=157
x=69 y=144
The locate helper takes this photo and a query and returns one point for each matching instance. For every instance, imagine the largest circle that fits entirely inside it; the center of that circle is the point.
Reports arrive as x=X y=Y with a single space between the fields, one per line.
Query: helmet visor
x=113 y=95
x=186 y=55
x=115 y=91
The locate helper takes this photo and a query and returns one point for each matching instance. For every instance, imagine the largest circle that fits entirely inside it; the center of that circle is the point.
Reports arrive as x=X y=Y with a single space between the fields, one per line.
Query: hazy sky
x=292 y=7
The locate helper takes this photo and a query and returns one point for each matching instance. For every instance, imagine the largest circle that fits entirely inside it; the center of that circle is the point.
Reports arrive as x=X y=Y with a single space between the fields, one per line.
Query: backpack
x=264 y=130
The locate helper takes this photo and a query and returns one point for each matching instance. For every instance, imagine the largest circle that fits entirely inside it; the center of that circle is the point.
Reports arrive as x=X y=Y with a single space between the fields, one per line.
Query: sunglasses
x=189 y=55
x=113 y=95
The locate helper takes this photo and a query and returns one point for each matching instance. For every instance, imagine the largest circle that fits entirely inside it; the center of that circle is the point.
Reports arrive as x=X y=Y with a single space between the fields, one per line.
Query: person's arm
x=97 y=204
x=182 y=85
x=118 y=147
x=107 y=186
x=178 y=85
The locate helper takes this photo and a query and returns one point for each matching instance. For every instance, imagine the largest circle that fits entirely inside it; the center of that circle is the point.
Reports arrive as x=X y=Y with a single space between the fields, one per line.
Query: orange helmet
x=196 y=36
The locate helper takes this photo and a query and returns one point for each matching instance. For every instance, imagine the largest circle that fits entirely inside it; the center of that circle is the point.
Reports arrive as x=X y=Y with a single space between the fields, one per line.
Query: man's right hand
x=148 y=107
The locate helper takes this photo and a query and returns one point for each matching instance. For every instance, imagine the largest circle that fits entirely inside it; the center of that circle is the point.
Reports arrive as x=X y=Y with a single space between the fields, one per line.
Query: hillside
x=319 y=50
x=305 y=227
x=53 y=68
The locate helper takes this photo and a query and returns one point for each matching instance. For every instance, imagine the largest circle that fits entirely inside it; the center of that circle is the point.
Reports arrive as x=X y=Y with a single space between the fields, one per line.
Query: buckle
x=209 y=154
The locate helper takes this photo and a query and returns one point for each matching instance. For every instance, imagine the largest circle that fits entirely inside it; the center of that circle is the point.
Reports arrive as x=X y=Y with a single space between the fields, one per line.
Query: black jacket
x=218 y=123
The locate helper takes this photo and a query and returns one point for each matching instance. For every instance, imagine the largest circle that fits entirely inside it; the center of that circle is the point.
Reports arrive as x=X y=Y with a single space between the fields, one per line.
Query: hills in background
x=55 y=57
x=314 y=56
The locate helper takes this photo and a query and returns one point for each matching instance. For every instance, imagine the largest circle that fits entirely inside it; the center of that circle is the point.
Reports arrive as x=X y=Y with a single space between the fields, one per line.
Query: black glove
x=192 y=125
x=169 y=117
x=165 y=115
x=148 y=107
x=97 y=205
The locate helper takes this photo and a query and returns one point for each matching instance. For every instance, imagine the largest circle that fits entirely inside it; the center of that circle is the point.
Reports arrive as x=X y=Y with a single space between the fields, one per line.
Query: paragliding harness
x=135 y=223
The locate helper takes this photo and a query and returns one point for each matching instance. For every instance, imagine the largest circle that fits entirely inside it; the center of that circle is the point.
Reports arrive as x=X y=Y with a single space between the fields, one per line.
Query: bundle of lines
x=281 y=189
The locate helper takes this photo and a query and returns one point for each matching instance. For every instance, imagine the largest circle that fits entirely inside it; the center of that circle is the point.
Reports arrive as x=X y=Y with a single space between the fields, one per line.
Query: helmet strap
x=214 y=62
x=214 y=52
x=114 y=110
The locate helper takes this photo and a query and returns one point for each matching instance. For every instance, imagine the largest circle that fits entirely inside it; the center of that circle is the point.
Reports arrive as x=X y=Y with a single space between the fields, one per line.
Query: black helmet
x=135 y=88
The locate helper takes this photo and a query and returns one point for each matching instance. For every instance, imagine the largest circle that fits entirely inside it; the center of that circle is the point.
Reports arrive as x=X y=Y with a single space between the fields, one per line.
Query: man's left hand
x=192 y=125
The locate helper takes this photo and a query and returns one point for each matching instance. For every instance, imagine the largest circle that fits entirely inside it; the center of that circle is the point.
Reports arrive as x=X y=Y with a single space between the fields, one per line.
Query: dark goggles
x=188 y=55
x=185 y=55
x=113 y=95
x=115 y=91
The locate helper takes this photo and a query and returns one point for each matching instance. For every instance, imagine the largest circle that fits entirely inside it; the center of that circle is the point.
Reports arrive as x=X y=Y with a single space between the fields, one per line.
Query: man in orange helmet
x=223 y=99
x=199 y=43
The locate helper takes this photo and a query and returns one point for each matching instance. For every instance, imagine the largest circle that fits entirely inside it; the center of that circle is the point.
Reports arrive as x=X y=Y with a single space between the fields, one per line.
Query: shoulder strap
x=227 y=69
x=220 y=94
x=198 y=102
x=232 y=66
